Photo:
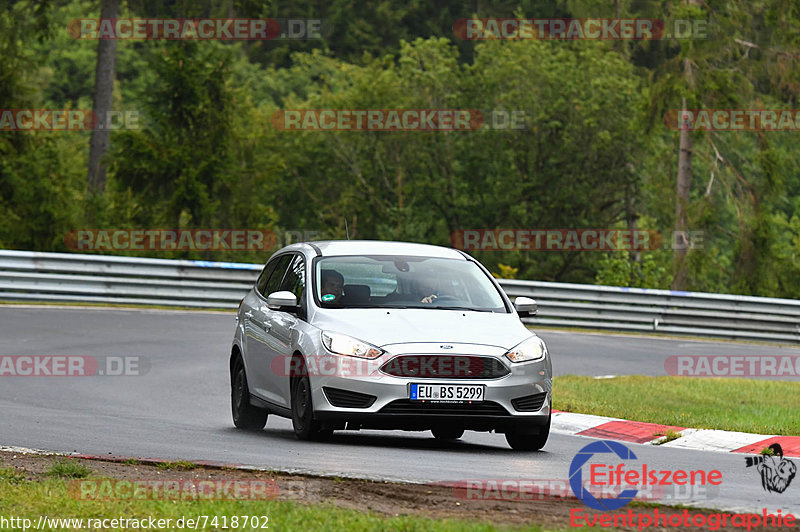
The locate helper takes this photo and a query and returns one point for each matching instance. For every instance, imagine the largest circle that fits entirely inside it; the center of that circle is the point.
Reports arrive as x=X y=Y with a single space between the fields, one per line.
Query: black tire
x=520 y=441
x=245 y=415
x=305 y=426
x=447 y=433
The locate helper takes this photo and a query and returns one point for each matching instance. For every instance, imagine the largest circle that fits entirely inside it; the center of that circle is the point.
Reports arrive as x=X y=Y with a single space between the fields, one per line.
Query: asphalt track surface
x=180 y=408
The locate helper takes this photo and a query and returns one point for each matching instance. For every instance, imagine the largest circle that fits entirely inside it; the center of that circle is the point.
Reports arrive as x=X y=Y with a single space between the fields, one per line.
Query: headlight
x=531 y=349
x=341 y=344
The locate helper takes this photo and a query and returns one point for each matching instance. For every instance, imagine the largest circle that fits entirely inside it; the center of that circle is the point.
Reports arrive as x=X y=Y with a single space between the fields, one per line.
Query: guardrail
x=661 y=311
x=67 y=277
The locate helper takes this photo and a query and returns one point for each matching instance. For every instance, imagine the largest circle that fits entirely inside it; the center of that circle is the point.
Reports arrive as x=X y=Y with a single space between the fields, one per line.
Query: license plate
x=447 y=393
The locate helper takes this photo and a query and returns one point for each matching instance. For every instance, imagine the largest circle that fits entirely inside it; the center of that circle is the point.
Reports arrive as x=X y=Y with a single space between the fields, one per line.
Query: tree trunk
x=632 y=219
x=400 y=232
x=103 y=92
x=679 y=240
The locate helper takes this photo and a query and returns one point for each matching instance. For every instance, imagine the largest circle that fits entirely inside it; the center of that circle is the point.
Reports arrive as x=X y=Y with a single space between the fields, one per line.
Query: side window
x=295 y=280
x=273 y=282
x=261 y=284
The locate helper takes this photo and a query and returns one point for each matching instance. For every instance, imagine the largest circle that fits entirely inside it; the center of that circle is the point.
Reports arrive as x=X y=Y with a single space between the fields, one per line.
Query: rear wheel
x=245 y=415
x=305 y=426
x=522 y=441
x=447 y=433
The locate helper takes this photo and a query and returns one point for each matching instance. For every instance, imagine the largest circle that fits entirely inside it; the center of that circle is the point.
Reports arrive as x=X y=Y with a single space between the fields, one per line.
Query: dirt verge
x=385 y=498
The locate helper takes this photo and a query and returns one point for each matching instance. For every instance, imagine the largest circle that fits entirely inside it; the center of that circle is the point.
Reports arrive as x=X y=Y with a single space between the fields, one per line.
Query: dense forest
x=593 y=149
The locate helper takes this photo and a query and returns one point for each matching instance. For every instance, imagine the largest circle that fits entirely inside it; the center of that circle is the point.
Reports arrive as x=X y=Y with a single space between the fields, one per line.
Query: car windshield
x=383 y=281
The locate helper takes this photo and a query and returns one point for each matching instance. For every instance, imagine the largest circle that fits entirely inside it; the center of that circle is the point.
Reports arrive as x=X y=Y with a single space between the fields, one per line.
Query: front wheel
x=520 y=441
x=245 y=415
x=305 y=426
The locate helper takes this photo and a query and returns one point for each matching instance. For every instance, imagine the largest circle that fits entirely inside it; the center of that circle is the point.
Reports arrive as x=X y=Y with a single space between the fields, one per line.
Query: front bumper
x=390 y=407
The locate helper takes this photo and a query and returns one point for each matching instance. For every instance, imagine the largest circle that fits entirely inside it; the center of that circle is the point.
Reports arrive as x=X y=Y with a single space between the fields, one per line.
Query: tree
x=103 y=92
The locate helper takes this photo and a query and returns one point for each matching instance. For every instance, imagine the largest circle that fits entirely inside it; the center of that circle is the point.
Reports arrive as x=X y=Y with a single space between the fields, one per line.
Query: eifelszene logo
x=576 y=475
x=622 y=482
x=776 y=471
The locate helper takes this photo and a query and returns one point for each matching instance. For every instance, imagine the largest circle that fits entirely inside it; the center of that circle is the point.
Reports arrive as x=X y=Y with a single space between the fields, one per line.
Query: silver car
x=388 y=335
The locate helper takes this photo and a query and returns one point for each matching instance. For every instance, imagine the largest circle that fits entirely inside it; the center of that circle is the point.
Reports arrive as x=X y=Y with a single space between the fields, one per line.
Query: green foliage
x=592 y=153
x=179 y=465
x=668 y=436
x=618 y=268
x=506 y=272
x=10 y=475
x=68 y=469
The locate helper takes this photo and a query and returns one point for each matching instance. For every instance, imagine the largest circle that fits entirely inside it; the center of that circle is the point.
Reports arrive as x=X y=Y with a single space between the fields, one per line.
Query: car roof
x=334 y=248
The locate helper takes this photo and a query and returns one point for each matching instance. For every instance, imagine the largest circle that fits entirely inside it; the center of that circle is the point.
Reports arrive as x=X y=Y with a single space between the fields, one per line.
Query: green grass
x=668 y=436
x=68 y=469
x=180 y=465
x=9 y=475
x=50 y=497
x=747 y=405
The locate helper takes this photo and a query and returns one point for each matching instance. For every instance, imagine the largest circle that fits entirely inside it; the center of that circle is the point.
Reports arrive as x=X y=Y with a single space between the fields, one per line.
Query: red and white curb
x=610 y=428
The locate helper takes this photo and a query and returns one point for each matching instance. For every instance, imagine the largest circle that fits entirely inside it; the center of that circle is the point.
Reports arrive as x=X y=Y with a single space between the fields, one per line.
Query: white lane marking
x=715 y=440
x=572 y=423
x=25 y=450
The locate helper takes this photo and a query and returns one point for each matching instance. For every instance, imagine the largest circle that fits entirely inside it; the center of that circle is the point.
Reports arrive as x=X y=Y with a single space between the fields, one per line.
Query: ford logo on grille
x=446 y=346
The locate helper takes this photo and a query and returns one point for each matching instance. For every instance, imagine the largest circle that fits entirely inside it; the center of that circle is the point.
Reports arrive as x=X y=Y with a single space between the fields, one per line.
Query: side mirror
x=284 y=301
x=525 y=307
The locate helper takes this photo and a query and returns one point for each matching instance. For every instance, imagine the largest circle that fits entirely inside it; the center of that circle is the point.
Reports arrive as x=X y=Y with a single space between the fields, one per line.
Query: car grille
x=529 y=403
x=406 y=406
x=445 y=366
x=347 y=399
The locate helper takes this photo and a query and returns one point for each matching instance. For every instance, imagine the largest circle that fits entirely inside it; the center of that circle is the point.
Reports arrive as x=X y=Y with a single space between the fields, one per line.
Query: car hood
x=383 y=327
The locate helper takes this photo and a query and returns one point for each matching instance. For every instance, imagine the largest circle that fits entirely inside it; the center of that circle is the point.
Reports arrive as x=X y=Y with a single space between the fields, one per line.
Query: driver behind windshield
x=425 y=288
x=332 y=284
